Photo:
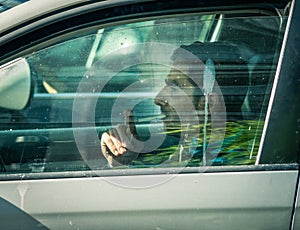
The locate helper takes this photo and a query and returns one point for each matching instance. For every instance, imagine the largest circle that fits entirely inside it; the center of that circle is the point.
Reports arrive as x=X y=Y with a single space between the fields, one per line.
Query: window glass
x=178 y=91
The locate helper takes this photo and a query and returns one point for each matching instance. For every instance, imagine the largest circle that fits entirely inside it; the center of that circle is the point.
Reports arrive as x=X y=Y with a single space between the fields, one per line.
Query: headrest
x=230 y=65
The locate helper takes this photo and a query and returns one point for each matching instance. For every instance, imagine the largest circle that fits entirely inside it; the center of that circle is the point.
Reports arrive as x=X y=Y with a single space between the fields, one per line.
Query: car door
x=205 y=91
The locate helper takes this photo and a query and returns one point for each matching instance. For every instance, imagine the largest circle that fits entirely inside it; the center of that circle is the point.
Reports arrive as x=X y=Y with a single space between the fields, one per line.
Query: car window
x=186 y=90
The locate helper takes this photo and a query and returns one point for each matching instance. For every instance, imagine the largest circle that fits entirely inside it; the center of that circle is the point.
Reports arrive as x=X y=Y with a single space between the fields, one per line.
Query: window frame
x=135 y=16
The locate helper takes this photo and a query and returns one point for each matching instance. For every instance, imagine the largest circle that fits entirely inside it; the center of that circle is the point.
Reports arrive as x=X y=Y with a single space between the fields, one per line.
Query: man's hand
x=120 y=145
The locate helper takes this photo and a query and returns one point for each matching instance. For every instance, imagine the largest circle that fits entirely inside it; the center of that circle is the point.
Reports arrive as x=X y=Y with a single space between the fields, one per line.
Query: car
x=150 y=114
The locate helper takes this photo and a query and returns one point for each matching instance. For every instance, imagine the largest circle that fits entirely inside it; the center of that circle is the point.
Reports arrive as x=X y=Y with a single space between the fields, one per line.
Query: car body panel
x=29 y=11
x=207 y=200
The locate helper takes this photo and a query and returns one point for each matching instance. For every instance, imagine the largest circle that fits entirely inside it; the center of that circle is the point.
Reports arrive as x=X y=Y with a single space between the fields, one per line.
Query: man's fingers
x=107 y=154
x=116 y=137
x=129 y=122
x=107 y=142
x=113 y=144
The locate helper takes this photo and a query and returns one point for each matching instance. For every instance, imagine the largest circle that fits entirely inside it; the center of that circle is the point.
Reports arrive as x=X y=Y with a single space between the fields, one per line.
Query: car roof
x=8 y=4
x=34 y=9
x=29 y=10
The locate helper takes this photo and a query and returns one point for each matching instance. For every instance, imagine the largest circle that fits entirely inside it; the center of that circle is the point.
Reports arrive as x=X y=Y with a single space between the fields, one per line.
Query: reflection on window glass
x=180 y=91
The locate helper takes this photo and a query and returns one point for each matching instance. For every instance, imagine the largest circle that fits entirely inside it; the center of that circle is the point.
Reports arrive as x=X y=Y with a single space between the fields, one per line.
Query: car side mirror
x=15 y=84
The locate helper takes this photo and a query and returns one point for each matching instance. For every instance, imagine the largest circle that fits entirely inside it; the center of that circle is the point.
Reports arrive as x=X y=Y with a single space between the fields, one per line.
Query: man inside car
x=192 y=98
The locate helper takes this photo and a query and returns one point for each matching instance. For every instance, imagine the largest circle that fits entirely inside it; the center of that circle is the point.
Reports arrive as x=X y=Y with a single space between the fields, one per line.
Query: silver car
x=150 y=114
